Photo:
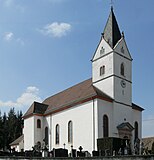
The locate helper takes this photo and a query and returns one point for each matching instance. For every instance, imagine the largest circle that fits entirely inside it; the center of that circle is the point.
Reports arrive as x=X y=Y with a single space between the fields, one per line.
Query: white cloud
x=8 y=36
x=56 y=29
x=26 y=99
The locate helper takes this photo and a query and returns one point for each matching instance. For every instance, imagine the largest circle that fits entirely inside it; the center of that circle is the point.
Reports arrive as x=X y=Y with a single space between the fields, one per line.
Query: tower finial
x=111 y=5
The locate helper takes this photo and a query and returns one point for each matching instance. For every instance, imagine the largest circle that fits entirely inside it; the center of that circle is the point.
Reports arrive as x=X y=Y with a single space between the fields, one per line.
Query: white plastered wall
x=28 y=133
x=82 y=118
x=105 y=108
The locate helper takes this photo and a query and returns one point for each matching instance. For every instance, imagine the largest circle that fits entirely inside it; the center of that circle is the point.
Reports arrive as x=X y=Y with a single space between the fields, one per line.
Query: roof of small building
x=148 y=141
x=77 y=94
x=125 y=125
x=17 y=141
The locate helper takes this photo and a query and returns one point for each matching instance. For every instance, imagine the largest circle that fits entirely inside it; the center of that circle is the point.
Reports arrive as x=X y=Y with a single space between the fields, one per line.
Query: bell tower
x=112 y=64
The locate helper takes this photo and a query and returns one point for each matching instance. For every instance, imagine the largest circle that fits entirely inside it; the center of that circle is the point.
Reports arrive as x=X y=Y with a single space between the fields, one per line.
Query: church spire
x=111 y=32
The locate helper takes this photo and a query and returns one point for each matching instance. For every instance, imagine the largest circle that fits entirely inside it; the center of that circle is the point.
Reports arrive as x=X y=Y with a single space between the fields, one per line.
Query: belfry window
x=122 y=69
x=70 y=132
x=57 y=134
x=38 y=123
x=102 y=51
x=102 y=70
x=105 y=126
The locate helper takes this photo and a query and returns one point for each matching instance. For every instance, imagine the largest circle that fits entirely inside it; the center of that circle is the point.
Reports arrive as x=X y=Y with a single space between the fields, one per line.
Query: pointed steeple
x=111 y=32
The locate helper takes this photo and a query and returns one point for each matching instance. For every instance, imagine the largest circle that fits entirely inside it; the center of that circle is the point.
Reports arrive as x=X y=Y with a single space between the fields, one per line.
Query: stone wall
x=149 y=157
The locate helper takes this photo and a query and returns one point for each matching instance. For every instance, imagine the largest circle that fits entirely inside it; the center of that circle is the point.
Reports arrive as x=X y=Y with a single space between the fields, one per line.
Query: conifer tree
x=10 y=128
x=1 y=132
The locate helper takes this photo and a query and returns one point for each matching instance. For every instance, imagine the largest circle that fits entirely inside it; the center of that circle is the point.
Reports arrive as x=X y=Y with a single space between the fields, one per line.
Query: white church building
x=95 y=108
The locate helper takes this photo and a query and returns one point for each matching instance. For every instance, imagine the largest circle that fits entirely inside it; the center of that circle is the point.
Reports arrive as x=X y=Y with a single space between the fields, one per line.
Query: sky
x=46 y=46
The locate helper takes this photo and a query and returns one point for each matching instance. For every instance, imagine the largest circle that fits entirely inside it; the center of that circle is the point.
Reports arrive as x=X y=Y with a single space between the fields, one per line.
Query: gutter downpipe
x=93 y=125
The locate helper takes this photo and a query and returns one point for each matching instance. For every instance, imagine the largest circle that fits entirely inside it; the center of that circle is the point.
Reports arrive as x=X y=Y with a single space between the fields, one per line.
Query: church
x=98 y=107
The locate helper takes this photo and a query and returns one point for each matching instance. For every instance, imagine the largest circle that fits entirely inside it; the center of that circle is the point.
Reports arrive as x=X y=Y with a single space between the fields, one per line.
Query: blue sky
x=46 y=46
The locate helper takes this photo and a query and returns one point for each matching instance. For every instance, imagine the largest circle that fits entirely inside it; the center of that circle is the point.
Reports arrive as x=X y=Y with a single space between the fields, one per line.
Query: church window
x=105 y=126
x=102 y=70
x=57 y=134
x=70 y=132
x=136 y=130
x=122 y=69
x=46 y=136
x=102 y=51
x=38 y=123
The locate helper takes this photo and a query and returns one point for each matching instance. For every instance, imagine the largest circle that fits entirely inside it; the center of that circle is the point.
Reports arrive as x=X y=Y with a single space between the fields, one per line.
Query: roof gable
x=125 y=126
x=102 y=45
x=122 y=49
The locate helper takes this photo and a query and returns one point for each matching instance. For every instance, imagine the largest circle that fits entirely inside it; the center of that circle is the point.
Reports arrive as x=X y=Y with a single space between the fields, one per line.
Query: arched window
x=70 y=132
x=105 y=126
x=102 y=70
x=38 y=123
x=122 y=69
x=46 y=136
x=57 y=134
x=136 y=130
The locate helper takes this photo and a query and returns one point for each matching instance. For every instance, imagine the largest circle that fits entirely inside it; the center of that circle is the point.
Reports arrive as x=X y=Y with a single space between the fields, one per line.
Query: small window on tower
x=122 y=50
x=102 y=70
x=122 y=69
x=102 y=51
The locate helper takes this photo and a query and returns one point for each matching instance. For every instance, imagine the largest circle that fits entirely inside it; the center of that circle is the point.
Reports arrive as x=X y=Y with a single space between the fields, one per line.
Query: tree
x=10 y=128
x=1 y=132
x=5 y=132
x=19 y=124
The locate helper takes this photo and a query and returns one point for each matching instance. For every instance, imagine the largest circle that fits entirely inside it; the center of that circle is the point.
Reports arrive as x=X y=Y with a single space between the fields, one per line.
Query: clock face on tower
x=123 y=83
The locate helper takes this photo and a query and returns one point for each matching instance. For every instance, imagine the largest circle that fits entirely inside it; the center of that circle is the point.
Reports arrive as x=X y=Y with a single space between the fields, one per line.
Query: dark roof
x=111 y=32
x=36 y=108
x=67 y=98
x=125 y=125
x=136 y=107
x=17 y=141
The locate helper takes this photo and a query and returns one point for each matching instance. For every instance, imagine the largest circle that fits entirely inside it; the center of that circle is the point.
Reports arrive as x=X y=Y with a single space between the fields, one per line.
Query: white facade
x=113 y=80
x=18 y=144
